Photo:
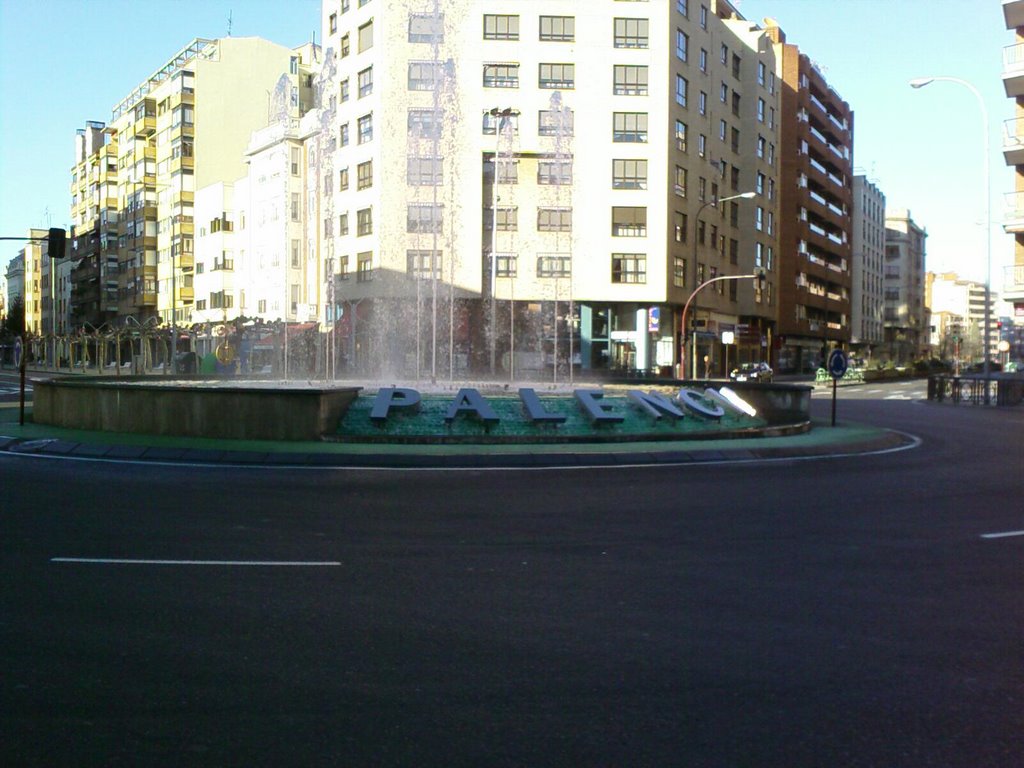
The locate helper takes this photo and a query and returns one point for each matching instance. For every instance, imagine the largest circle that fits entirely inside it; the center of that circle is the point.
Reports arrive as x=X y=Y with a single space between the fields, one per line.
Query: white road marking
x=125 y=561
x=1001 y=535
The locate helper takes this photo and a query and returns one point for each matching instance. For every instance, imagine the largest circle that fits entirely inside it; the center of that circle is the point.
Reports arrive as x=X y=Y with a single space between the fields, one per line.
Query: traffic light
x=760 y=277
x=56 y=242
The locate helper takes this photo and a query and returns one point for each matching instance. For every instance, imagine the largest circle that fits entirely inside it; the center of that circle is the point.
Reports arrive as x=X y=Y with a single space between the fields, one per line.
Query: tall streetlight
x=921 y=82
x=682 y=328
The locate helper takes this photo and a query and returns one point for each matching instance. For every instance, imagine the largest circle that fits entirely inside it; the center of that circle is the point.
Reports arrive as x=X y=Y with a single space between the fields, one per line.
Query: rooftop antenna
x=229 y=23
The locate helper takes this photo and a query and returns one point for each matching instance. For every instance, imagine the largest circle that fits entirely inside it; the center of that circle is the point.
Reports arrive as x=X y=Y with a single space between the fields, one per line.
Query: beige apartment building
x=1013 y=152
x=527 y=188
x=184 y=128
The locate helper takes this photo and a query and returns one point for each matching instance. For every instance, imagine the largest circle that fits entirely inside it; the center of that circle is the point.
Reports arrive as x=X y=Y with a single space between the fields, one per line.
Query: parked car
x=759 y=372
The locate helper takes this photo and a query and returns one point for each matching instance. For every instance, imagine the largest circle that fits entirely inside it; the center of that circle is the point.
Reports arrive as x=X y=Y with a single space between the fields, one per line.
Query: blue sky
x=63 y=62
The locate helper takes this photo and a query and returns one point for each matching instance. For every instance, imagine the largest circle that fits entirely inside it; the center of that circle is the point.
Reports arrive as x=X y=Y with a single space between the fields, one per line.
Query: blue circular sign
x=17 y=352
x=837 y=363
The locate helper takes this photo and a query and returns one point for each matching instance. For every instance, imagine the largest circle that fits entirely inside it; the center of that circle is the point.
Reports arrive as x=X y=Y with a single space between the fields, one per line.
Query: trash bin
x=187 y=362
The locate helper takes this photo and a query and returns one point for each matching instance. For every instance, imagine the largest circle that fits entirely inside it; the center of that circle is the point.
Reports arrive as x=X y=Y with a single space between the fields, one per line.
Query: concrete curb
x=865 y=441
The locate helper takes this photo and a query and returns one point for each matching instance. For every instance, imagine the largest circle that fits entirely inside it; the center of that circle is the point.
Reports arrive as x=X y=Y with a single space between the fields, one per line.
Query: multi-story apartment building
x=1013 y=152
x=14 y=279
x=30 y=259
x=957 y=309
x=94 y=217
x=184 y=128
x=815 y=240
x=529 y=188
x=866 y=330
x=905 y=315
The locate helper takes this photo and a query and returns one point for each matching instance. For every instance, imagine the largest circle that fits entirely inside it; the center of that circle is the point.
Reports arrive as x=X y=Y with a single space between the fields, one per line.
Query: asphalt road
x=836 y=612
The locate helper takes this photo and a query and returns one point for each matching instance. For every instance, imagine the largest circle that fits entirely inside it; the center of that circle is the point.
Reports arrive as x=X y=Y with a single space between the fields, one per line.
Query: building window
x=702 y=145
x=559 y=29
x=702 y=103
x=424 y=123
x=723 y=130
x=364 y=175
x=555 y=123
x=342 y=224
x=505 y=264
x=554 y=172
x=553 y=265
x=554 y=219
x=681 y=88
x=680 y=135
x=343 y=179
x=366 y=82
x=296 y=258
x=296 y=157
x=333 y=23
x=492 y=122
x=629 y=222
x=703 y=17
x=759 y=220
x=680 y=181
x=296 y=206
x=424 y=171
x=760 y=146
x=630 y=80
x=424 y=218
x=557 y=76
x=422 y=75
x=683 y=6
x=364 y=267
x=364 y=222
x=345 y=46
x=426 y=28
x=501 y=27
x=629 y=268
x=629 y=174
x=366 y=36
x=629 y=127
x=508 y=171
x=501 y=75
x=678 y=271
x=343 y=267
x=365 y=125
x=682 y=45
x=507 y=219
x=423 y=264
x=344 y=90
x=679 y=227
x=343 y=135
x=703 y=61
x=631 y=33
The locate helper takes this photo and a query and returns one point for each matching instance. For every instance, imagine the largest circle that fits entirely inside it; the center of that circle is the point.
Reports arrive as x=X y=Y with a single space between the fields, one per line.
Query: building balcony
x=1013 y=221
x=145 y=127
x=186 y=294
x=1013 y=13
x=1013 y=70
x=1013 y=284
x=1013 y=140
x=145 y=299
x=186 y=261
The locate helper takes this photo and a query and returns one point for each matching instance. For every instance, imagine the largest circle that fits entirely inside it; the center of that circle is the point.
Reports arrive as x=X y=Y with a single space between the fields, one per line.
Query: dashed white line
x=1003 y=535
x=126 y=561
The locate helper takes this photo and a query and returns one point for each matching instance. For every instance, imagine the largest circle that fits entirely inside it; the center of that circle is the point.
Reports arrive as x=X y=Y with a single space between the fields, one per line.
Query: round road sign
x=17 y=352
x=837 y=363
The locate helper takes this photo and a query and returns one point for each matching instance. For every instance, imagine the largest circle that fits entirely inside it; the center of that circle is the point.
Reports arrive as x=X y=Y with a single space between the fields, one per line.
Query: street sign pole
x=837 y=365
x=19 y=360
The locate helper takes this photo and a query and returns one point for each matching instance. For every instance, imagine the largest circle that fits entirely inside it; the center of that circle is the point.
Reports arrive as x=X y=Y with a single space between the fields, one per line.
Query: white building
x=868 y=252
x=541 y=156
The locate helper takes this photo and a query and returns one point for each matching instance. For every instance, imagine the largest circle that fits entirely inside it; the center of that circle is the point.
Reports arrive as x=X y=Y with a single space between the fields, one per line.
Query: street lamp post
x=682 y=325
x=921 y=82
